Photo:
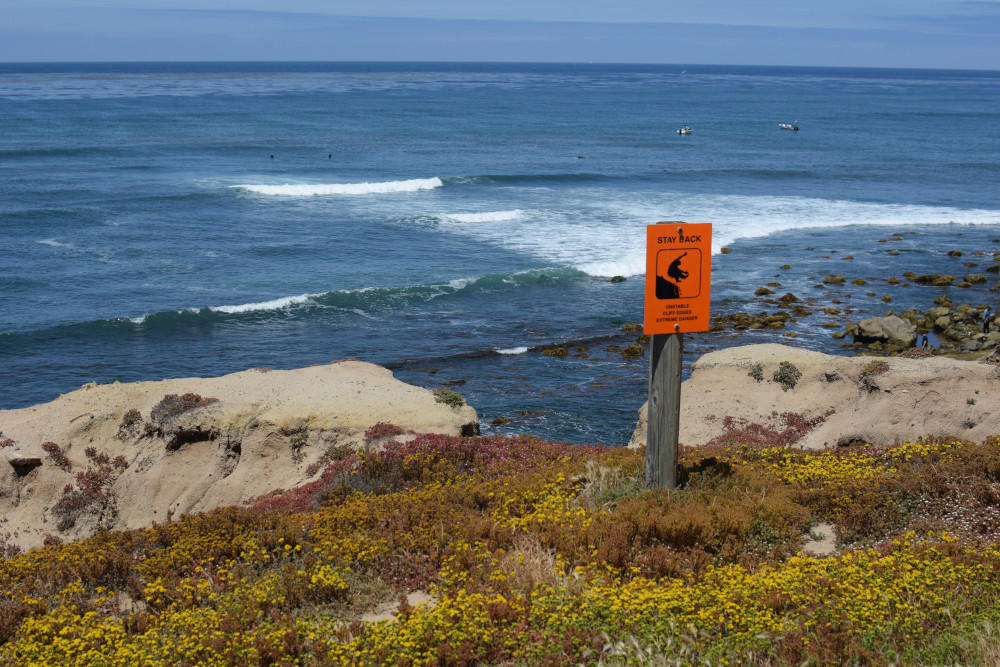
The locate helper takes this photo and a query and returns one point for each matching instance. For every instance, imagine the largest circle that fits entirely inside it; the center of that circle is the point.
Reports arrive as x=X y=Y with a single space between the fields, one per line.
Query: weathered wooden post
x=663 y=410
x=678 y=281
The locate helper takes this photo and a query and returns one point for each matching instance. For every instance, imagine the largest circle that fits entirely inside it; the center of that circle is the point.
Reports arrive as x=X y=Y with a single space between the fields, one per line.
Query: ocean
x=450 y=221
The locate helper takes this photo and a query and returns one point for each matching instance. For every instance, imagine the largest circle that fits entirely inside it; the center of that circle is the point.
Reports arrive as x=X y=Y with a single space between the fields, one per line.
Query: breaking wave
x=320 y=189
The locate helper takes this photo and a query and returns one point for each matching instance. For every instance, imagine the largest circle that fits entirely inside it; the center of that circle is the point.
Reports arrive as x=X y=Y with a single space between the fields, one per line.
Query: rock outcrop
x=268 y=430
x=908 y=399
x=885 y=330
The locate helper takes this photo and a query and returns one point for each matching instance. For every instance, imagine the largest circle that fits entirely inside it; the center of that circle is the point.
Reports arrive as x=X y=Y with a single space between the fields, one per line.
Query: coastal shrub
x=297 y=441
x=382 y=430
x=92 y=491
x=59 y=458
x=787 y=374
x=333 y=453
x=172 y=405
x=528 y=565
x=449 y=397
x=779 y=430
x=129 y=420
x=604 y=486
x=130 y=417
x=756 y=371
x=9 y=548
x=7 y=442
x=875 y=367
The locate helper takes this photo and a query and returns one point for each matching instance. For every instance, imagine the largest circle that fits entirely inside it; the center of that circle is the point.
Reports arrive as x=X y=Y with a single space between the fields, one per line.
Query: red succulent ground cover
x=543 y=553
x=172 y=405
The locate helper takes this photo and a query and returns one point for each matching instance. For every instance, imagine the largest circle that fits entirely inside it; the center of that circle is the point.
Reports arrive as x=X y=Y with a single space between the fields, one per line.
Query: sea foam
x=605 y=236
x=512 y=350
x=494 y=216
x=309 y=190
x=55 y=244
x=274 y=304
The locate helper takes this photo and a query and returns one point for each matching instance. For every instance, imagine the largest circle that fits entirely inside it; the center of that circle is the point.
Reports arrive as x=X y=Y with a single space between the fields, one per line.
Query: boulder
x=935 y=313
x=884 y=329
x=937 y=279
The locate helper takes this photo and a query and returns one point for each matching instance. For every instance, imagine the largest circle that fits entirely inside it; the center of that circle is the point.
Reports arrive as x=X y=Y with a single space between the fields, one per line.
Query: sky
x=946 y=34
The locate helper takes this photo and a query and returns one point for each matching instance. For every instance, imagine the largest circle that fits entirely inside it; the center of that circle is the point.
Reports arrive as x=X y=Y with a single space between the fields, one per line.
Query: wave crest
x=274 y=304
x=316 y=189
x=493 y=216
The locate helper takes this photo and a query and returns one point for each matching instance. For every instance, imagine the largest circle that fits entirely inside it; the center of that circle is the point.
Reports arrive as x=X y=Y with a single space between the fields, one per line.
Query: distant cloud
x=965 y=39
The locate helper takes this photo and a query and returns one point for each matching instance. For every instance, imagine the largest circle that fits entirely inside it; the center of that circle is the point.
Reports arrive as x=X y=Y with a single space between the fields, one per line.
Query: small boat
x=789 y=126
x=685 y=130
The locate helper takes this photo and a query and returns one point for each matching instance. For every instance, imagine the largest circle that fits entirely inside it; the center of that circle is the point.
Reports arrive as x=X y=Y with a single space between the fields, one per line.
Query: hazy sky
x=865 y=33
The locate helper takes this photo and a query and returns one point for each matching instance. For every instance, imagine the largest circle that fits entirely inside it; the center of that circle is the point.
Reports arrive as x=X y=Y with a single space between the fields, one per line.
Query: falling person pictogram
x=666 y=289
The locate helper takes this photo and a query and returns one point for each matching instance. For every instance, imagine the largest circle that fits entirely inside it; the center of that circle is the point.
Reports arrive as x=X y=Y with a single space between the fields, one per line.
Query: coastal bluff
x=878 y=400
x=217 y=442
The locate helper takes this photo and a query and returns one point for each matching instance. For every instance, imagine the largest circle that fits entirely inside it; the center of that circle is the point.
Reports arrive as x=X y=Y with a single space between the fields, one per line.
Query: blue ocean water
x=447 y=220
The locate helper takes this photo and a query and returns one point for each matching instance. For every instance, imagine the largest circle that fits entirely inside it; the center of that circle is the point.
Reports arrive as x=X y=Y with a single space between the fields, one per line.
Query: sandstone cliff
x=909 y=399
x=267 y=430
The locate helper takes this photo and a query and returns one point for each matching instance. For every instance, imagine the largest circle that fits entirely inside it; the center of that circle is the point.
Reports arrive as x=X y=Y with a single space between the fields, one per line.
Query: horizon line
x=484 y=62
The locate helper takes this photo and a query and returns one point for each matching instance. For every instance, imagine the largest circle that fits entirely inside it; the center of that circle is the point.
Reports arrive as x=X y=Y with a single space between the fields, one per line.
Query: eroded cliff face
x=132 y=458
x=905 y=400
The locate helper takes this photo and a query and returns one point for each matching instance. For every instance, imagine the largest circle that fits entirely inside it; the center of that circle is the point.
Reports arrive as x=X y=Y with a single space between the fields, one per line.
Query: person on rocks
x=987 y=315
x=923 y=341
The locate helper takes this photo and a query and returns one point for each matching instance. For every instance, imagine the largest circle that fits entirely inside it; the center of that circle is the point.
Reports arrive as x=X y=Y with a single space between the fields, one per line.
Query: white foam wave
x=494 y=216
x=55 y=244
x=624 y=266
x=274 y=304
x=460 y=283
x=309 y=190
x=512 y=350
x=604 y=235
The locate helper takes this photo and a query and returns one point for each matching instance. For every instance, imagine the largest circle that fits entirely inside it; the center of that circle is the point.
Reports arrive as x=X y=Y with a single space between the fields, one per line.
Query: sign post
x=678 y=281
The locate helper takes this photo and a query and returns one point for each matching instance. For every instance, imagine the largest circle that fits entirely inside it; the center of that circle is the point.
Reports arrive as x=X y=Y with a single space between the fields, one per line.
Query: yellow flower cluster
x=552 y=504
x=910 y=451
x=523 y=573
x=902 y=592
x=809 y=469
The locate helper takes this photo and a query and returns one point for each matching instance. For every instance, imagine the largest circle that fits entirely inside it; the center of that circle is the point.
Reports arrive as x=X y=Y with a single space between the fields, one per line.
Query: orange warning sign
x=678 y=277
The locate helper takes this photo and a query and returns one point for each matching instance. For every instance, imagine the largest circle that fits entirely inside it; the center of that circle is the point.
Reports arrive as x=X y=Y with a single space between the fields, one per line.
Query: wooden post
x=664 y=410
